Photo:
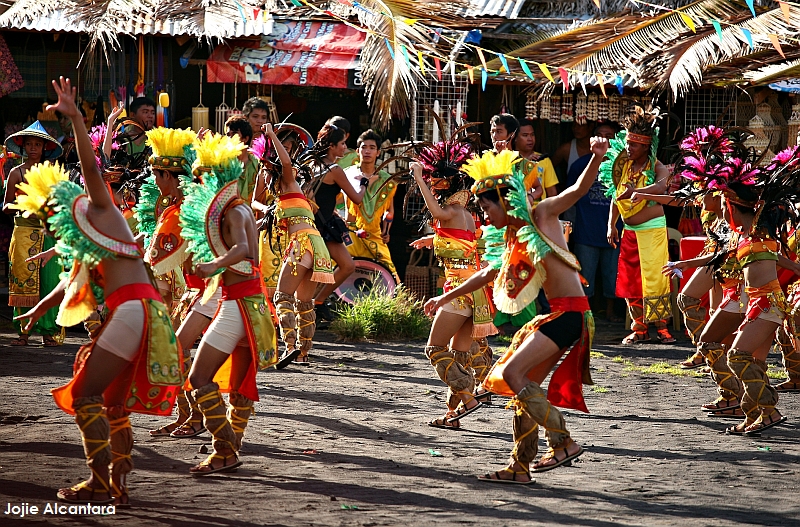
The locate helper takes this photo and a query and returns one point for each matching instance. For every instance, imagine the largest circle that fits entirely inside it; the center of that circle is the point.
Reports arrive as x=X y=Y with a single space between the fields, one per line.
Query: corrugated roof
x=502 y=8
x=24 y=15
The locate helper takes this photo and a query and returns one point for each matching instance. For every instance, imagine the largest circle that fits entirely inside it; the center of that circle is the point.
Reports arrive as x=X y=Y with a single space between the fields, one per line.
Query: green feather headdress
x=217 y=165
x=616 y=152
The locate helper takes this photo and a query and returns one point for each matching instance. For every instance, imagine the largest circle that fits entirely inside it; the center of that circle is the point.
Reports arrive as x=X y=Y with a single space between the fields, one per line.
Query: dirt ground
x=345 y=442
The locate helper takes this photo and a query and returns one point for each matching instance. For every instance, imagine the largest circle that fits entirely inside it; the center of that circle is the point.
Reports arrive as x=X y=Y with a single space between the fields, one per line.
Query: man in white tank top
x=570 y=152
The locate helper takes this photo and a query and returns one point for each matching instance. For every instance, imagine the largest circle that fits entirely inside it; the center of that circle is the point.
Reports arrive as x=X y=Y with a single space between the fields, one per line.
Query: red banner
x=322 y=54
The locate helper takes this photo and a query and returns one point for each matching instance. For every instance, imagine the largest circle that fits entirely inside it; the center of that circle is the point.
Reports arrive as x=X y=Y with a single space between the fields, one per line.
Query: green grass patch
x=599 y=389
x=600 y=370
x=619 y=358
x=379 y=316
x=597 y=355
x=504 y=338
x=663 y=368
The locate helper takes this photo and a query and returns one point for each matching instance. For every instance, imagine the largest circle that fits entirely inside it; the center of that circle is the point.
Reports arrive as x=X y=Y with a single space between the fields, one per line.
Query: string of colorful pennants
x=748 y=35
x=525 y=65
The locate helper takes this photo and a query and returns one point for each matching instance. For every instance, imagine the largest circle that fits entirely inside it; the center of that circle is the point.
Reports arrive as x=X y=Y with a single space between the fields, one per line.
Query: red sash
x=242 y=289
x=131 y=292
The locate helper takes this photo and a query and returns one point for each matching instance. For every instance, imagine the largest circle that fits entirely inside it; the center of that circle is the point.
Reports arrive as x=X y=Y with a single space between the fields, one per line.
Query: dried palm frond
x=783 y=70
x=391 y=83
x=691 y=62
x=620 y=43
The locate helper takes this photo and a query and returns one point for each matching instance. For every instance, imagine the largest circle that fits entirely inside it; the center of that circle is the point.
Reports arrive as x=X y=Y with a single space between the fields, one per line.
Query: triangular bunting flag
x=564 y=78
x=601 y=81
x=777 y=43
x=751 y=6
x=452 y=72
x=389 y=47
x=405 y=55
x=438 y=68
x=471 y=75
x=505 y=63
x=619 y=84
x=525 y=68
x=543 y=67
x=717 y=28
x=582 y=78
x=749 y=36
x=421 y=62
x=787 y=14
x=597 y=3
x=484 y=76
x=688 y=21
x=483 y=59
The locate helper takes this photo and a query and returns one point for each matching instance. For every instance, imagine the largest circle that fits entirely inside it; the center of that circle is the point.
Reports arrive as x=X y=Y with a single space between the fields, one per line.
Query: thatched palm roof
x=657 y=50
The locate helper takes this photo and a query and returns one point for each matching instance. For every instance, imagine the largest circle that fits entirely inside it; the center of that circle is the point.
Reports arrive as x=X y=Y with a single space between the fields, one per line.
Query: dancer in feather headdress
x=133 y=363
x=306 y=261
x=760 y=204
x=632 y=166
x=459 y=361
x=701 y=154
x=370 y=220
x=296 y=141
x=223 y=241
x=157 y=213
x=704 y=158
x=526 y=251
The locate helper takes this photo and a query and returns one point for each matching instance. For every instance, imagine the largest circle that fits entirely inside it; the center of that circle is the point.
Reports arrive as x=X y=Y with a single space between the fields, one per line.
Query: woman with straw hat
x=30 y=281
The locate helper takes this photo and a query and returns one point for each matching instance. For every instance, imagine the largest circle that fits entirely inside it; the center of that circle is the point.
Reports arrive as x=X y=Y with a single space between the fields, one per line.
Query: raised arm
x=558 y=204
x=287 y=174
x=108 y=140
x=98 y=193
x=437 y=211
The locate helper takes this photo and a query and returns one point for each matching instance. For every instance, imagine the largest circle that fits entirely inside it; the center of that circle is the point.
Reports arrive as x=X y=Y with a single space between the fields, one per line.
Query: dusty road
x=345 y=442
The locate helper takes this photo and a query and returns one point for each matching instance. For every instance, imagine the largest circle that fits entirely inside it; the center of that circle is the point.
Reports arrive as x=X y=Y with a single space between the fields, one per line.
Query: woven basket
x=421 y=279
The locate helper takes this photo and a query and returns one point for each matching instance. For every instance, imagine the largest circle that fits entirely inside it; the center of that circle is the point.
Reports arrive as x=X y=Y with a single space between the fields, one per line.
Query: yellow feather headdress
x=215 y=151
x=39 y=182
x=168 y=147
x=491 y=171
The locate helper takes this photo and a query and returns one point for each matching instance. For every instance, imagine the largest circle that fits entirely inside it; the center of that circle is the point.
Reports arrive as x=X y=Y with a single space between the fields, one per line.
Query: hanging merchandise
x=613 y=107
x=163 y=104
x=163 y=97
x=200 y=112
x=602 y=109
x=221 y=113
x=504 y=106
x=591 y=107
x=566 y=109
x=139 y=88
x=580 y=109
x=235 y=110
x=10 y=78
x=544 y=111
x=531 y=111
x=555 y=109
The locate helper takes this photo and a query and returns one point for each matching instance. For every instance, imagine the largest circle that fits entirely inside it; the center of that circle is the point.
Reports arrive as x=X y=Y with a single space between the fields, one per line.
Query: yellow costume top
x=637 y=180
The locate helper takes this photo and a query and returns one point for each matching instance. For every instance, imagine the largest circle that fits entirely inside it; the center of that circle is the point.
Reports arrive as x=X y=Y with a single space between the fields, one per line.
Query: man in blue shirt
x=589 y=231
